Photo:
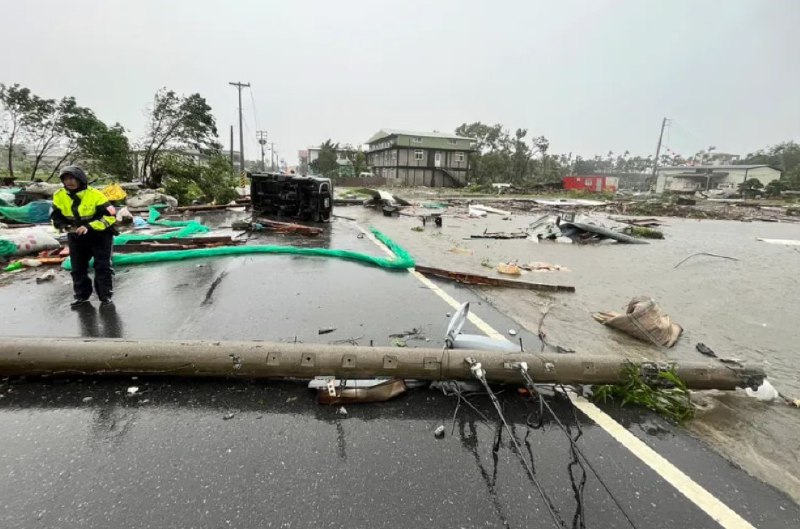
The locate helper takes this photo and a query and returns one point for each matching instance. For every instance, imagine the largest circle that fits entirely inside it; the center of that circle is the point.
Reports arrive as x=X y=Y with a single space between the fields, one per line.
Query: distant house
x=343 y=154
x=689 y=179
x=420 y=158
x=593 y=183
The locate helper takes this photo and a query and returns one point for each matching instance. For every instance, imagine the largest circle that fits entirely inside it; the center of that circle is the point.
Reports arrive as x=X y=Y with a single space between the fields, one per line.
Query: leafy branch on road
x=667 y=396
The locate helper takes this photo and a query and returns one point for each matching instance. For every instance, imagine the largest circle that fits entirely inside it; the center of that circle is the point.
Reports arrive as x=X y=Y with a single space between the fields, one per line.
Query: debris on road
x=643 y=319
x=787 y=242
x=647 y=222
x=512 y=332
x=439 y=432
x=474 y=279
x=37 y=212
x=644 y=232
x=334 y=391
x=462 y=251
x=500 y=235
x=228 y=416
x=47 y=276
x=476 y=213
x=766 y=392
x=705 y=253
x=554 y=227
x=326 y=330
x=133 y=390
x=26 y=242
x=543 y=267
x=705 y=350
x=401 y=260
x=509 y=269
x=149 y=197
x=488 y=209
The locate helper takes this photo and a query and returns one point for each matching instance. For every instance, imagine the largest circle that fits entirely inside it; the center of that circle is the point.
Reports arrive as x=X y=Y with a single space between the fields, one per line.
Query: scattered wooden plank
x=474 y=279
x=289 y=227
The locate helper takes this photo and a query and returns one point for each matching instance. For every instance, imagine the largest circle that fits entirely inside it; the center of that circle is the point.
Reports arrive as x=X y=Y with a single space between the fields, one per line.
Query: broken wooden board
x=289 y=227
x=474 y=279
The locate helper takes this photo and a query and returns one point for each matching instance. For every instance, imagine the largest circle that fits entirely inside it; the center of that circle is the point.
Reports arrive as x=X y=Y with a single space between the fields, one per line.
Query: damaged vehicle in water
x=308 y=198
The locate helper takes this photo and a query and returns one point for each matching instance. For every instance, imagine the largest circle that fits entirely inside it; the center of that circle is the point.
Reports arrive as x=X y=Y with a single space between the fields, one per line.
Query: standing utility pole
x=262 y=140
x=240 y=85
x=658 y=148
x=272 y=155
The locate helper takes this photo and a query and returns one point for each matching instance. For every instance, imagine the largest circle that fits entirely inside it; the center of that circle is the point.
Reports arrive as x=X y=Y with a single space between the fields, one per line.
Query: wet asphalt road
x=83 y=453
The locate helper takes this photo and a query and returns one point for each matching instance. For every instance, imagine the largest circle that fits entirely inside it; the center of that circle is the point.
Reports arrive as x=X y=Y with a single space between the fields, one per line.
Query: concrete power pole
x=262 y=140
x=658 y=147
x=240 y=85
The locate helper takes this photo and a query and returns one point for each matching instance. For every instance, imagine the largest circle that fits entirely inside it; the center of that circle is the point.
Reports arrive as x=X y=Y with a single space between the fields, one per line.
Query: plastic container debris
x=766 y=392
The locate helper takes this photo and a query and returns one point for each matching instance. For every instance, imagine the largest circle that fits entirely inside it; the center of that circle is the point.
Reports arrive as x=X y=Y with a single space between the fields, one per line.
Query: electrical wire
x=573 y=442
x=480 y=374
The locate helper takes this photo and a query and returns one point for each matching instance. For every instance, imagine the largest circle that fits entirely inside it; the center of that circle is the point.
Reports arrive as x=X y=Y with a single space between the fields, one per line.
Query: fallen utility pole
x=185 y=358
x=474 y=279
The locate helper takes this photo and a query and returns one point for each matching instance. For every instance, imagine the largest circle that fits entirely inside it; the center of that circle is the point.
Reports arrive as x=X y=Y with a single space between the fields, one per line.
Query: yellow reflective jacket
x=89 y=208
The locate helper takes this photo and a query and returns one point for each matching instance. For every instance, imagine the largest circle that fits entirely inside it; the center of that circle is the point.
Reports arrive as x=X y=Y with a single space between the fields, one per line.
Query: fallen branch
x=705 y=253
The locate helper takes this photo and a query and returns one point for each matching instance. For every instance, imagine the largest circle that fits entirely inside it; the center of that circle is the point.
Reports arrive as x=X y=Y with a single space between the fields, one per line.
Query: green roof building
x=408 y=158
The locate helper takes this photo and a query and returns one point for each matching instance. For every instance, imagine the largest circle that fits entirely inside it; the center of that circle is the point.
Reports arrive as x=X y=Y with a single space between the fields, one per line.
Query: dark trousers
x=84 y=247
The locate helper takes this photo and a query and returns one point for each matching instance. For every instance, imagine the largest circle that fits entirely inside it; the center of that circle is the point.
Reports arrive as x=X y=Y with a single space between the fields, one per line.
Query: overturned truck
x=308 y=198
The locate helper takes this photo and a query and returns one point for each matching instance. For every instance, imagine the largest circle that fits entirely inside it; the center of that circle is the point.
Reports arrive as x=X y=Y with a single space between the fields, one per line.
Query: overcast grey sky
x=591 y=75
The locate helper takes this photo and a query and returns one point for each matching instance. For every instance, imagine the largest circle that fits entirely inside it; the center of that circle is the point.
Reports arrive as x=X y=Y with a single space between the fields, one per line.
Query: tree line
x=32 y=128
x=179 y=149
x=523 y=160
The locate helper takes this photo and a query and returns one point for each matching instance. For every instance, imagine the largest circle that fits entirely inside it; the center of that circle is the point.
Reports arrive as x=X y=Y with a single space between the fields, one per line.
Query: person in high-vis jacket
x=88 y=217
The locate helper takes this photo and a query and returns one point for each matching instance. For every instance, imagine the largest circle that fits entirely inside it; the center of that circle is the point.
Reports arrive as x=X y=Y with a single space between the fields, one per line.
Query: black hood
x=76 y=172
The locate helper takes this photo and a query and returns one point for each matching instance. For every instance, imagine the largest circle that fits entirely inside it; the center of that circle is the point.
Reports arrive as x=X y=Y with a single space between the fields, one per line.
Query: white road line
x=694 y=492
x=475 y=320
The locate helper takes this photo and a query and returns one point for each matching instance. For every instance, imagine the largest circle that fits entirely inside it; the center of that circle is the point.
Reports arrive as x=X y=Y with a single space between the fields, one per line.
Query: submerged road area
x=91 y=452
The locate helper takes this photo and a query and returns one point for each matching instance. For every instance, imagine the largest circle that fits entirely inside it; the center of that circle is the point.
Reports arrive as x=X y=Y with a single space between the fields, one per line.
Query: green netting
x=402 y=259
x=7 y=247
x=188 y=229
x=32 y=213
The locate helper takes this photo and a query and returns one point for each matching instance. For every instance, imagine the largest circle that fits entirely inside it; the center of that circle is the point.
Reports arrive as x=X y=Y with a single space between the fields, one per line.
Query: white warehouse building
x=689 y=179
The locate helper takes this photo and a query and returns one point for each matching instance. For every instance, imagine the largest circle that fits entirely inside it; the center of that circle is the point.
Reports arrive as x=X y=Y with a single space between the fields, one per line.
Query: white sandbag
x=30 y=241
x=149 y=197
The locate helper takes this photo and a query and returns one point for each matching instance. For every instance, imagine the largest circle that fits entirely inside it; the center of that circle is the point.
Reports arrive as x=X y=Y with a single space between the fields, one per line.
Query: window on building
x=416 y=139
x=419 y=155
x=452 y=142
x=459 y=157
x=394 y=157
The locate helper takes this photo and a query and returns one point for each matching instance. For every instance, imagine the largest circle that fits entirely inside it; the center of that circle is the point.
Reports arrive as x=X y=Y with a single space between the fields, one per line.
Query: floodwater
x=745 y=309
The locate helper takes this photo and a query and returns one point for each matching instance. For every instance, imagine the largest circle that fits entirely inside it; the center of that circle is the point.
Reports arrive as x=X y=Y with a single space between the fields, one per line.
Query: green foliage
x=188 y=180
x=326 y=164
x=178 y=123
x=667 y=395
x=644 y=232
x=49 y=126
x=774 y=188
x=750 y=187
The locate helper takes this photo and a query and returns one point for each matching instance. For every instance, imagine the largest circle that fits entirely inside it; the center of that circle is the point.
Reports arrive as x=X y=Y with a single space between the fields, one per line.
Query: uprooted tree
x=176 y=123
x=208 y=180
